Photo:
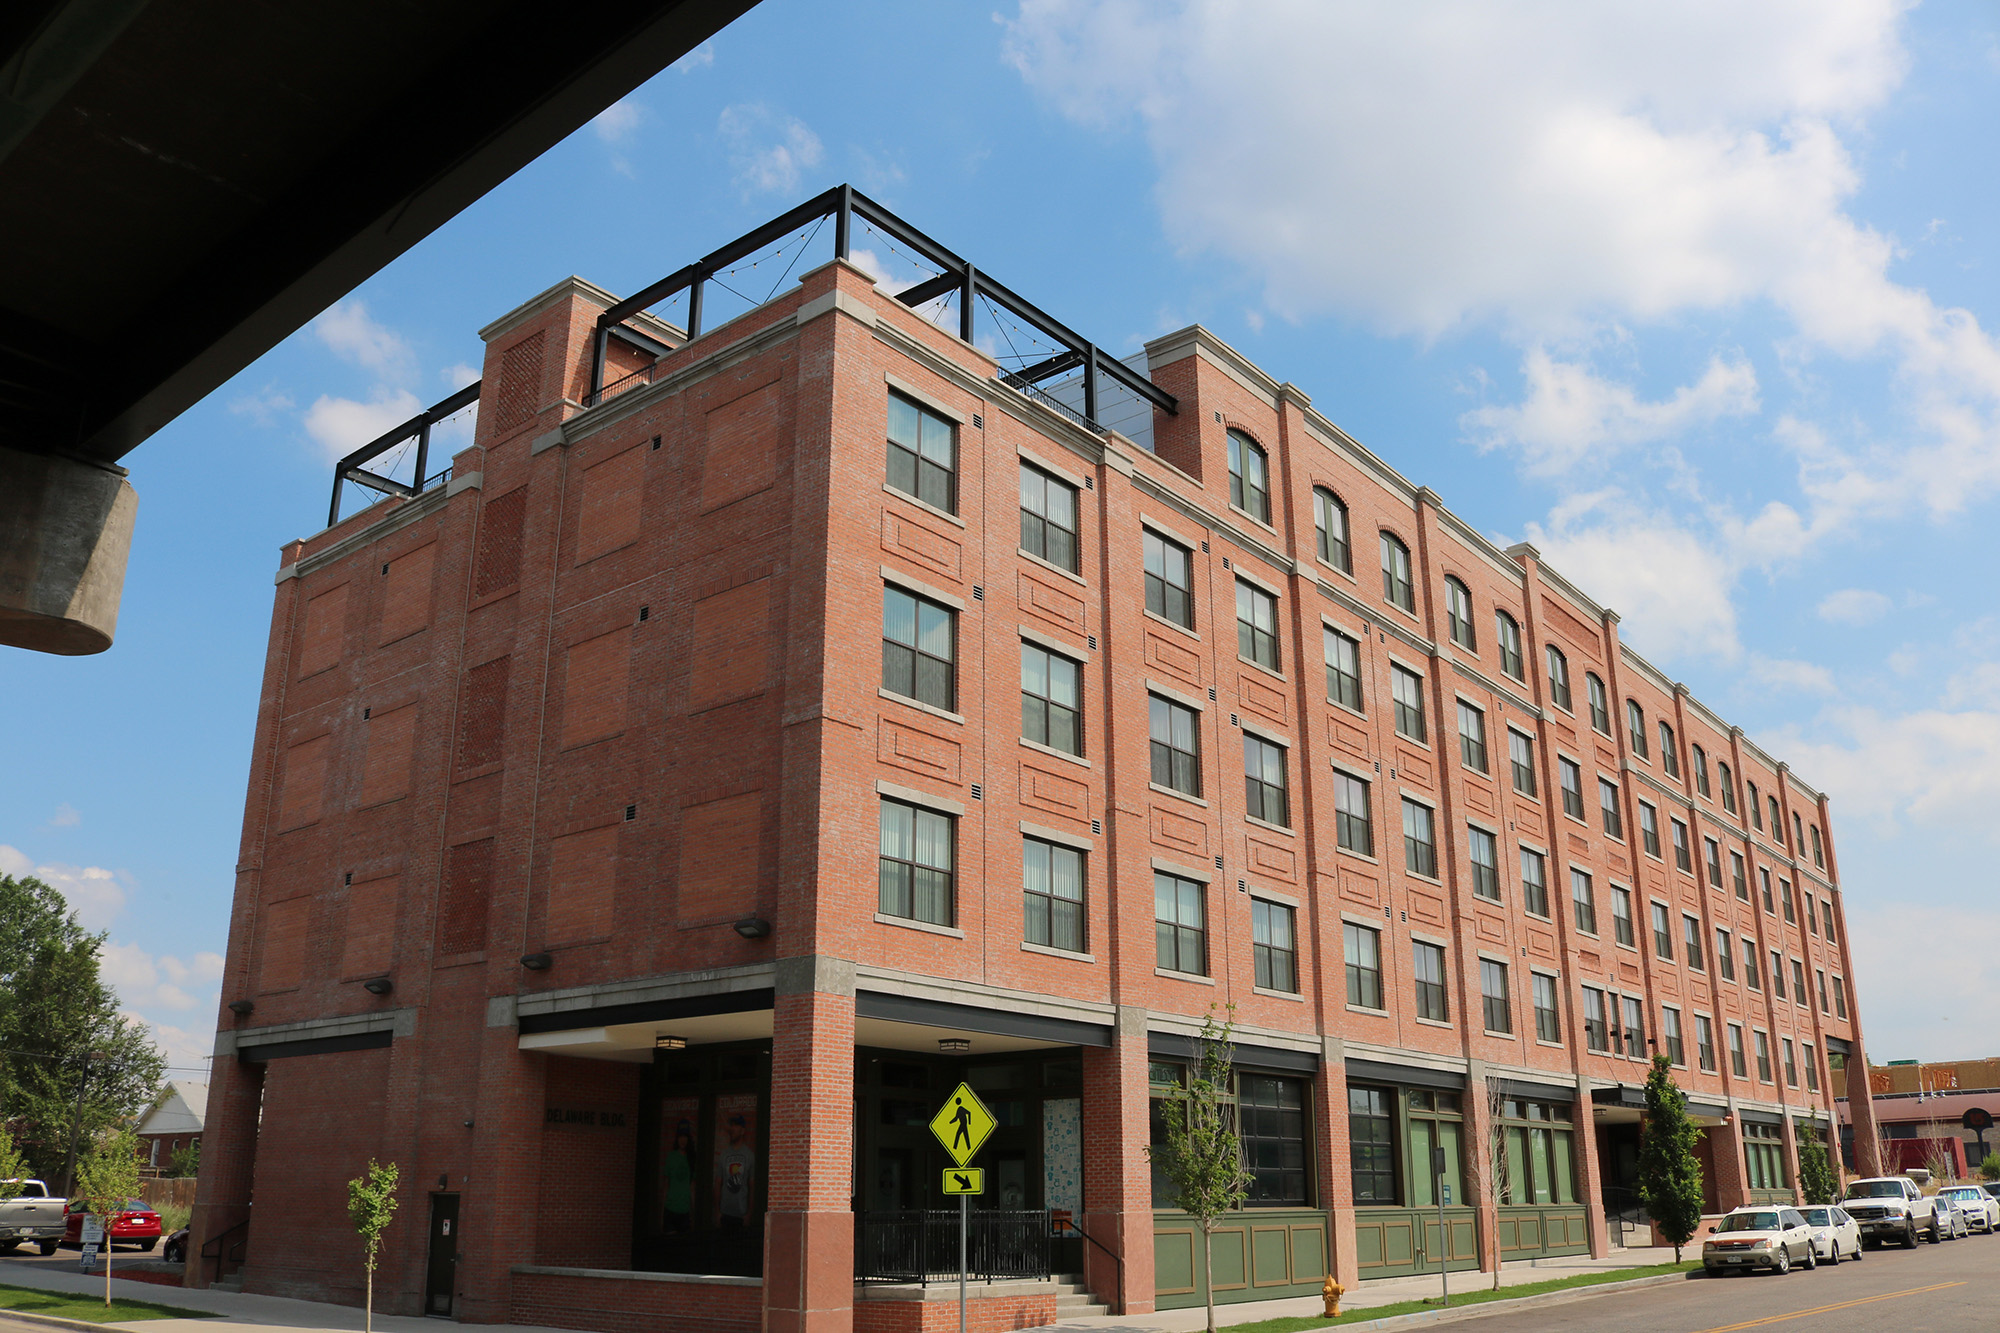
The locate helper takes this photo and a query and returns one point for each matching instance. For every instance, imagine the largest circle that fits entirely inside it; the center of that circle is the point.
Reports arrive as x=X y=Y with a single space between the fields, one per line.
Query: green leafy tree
x=1202 y=1157
x=1989 y=1166
x=371 y=1206
x=1669 y=1175
x=13 y=1167
x=107 y=1176
x=186 y=1160
x=1816 y=1179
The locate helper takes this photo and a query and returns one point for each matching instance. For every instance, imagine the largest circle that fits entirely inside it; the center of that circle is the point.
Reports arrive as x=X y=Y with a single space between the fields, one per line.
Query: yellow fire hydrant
x=1331 y=1292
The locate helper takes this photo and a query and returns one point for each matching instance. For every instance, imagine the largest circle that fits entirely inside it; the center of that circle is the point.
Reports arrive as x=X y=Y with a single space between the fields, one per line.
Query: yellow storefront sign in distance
x=962 y=1124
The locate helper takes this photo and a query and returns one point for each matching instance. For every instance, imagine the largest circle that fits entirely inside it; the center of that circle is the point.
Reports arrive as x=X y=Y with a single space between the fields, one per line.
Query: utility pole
x=76 y=1125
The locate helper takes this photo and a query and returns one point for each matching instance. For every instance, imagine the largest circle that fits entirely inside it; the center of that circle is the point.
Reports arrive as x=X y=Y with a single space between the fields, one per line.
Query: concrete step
x=1074 y=1307
x=227 y=1284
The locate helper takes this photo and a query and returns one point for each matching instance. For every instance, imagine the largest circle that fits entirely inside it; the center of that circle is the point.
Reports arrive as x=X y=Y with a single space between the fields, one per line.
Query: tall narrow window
x=1736 y=1065
x=1704 y=1042
x=1728 y=782
x=1352 y=825
x=1736 y=876
x=1691 y=940
x=1256 y=625
x=1621 y=916
x=1712 y=854
x=1596 y=1031
x=1635 y=1028
x=1052 y=892
x=1584 y=900
x=1777 y=974
x=1683 y=857
x=1607 y=804
x=1700 y=769
x=1176 y=745
x=1051 y=699
x=1670 y=1028
x=1798 y=836
x=1725 y=958
x=1169 y=578
x=1497 y=1010
x=1330 y=518
x=1548 y=1015
x=1839 y=998
x=1180 y=924
x=1396 y=587
x=916 y=863
x=1249 y=479
x=1471 y=737
x=1649 y=829
x=1521 y=759
x=1364 y=966
x=1600 y=706
x=1663 y=935
x=1756 y=810
x=1428 y=968
x=1419 y=841
x=1407 y=687
x=1485 y=855
x=1273 y=953
x=1535 y=883
x=1791 y=1062
x=1670 y=754
x=1812 y=1067
x=1777 y=820
x=1343 y=669
x=1799 y=995
x=923 y=454
x=1635 y=727
x=1811 y=912
x=1558 y=678
x=1264 y=781
x=1507 y=633
x=1819 y=975
x=1752 y=973
x=1048 y=517
x=1785 y=896
x=918 y=648
x=1371 y=1144
x=1458 y=614
x=1271 y=1115
x=1572 y=787
x=1826 y=914
x=1764 y=887
x=1819 y=848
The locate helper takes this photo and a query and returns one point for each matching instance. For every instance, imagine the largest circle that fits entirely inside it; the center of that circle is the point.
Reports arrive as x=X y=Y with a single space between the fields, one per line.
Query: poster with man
x=735 y=1159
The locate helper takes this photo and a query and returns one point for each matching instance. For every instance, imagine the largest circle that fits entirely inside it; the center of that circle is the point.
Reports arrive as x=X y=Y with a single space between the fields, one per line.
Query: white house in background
x=174 y=1123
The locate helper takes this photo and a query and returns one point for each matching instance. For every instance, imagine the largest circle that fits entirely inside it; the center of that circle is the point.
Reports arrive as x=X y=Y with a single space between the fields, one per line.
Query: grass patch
x=1301 y=1323
x=64 y=1305
x=173 y=1216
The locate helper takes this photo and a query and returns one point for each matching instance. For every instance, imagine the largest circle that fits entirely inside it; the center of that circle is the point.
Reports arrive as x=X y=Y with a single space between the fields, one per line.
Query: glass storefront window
x=1541 y=1166
x=1272 y=1123
x=1371 y=1134
x=1435 y=1123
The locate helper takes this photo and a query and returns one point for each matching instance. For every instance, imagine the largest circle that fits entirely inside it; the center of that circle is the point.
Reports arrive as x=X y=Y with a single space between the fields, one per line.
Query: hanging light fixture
x=954 y=1045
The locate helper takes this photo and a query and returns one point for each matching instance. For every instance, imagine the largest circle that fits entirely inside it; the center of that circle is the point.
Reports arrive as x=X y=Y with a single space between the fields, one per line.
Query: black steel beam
x=929 y=290
x=1059 y=364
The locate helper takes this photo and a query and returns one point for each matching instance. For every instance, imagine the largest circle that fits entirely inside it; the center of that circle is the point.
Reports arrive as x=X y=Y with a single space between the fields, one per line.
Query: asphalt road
x=1954 y=1286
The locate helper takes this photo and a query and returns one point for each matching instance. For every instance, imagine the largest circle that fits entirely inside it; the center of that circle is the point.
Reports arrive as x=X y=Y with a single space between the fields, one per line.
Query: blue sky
x=1701 y=299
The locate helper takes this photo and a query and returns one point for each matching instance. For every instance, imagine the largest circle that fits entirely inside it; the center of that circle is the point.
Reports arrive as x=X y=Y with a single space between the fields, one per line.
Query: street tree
x=371 y=1206
x=1669 y=1174
x=1202 y=1157
x=1989 y=1166
x=13 y=1166
x=1498 y=1186
x=1816 y=1179
x=107 y=1176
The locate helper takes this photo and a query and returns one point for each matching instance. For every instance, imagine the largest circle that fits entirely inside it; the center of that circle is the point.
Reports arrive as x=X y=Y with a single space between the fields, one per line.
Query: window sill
x=1418 y=741
x=1556 y=1045
x=920 y=706
x=927 y=507
x=1278 y=994
x=1254 y=519
x=1432 y=1022
x=1420 y=875
x=1050 y=951
x=1503 y=1036
x=1054 y=753
x=1347 y=709
x=1358 y=856
x=1270 y=671
x=1629 y=948
x=1364 y=1009
x=1576 y=819
x=1051 y=566
x=1179 y=795
x=1157 y=618
x=911 y=923
x=1266 y=824
x=1347 y=574
x=1195 y=977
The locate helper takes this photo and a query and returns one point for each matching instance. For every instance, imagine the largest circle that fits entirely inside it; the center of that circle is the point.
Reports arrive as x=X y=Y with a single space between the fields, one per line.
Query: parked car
x=30 y=1218
x=1836 y=1236
x=1982 y=1210
x=176 y=1251
x=1950 y=1220
x=1992 y=1187
x=137 y=1225
x=1753 y=1238
x=1891 y=1208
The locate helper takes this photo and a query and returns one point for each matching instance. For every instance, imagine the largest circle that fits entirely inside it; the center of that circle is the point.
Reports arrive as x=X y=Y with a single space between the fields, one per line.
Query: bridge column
x=65 y=531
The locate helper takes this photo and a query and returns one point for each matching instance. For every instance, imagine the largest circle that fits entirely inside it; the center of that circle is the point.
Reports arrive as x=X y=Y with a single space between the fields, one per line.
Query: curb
x=1452 y=1316
x=54 y=1321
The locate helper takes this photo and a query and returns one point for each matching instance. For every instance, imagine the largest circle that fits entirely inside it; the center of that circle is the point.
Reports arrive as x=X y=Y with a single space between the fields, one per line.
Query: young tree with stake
x=371 y=1206
x=106 y=1180
x=1202 y=1156
x=1669 y=1175
x=1816 y=1179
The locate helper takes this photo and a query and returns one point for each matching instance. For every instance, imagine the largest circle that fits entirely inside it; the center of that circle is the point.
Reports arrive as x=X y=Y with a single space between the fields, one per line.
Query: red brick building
x=649 y=825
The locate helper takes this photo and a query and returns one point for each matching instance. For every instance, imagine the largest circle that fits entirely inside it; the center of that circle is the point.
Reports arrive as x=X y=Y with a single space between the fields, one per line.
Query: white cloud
x=1936 y=769
x=66 y=816
x=264 y=406
x=1792 y=677
x=145 y=981
x=187 y=1052
x=95 y=894
x=1670 y=588
x=699 y=58
x=459 y=374
x=352 y=334
x=1915 y=1022
x=341 y=425
x=1977 y=686
x=767 y=150
x=619 y=121
x=1854 y=606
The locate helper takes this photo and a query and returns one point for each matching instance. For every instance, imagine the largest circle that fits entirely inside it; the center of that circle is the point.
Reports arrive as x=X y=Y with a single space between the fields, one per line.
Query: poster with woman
x=677 y=1154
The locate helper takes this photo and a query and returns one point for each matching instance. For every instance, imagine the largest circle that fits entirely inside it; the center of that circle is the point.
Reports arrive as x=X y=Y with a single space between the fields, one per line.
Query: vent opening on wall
x=1204 y=548
x=1211 y=694
x=978 y=792
x=1242 y=886
x=645 y=613
x=656 y=441
x=1234 y=721
x=1218 y=863
x=1097 y=826
x=631 y=813
x=385 y=569
x=1226 y=564
x=978 y=592
x=1090 y=640
x=1090 y=483
x=979 y=421
x=347 y=879
x=1218 y=418
x=365 y=712
x=1406 y=916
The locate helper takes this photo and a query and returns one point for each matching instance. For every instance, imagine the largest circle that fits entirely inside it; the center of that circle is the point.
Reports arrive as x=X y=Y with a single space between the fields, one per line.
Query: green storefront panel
x=1401 y=1242
x=1535 y=1233
x=1258 y=1255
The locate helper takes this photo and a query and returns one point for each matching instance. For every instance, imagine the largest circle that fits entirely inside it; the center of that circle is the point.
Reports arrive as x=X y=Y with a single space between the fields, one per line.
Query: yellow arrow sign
x=962 y=1124
x=964 y=1180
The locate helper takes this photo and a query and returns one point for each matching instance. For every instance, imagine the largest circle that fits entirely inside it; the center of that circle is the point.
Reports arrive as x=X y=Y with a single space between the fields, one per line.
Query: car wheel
x=8 y=1246
x=1812 y=1258
x=1910 y=1237
x=1833 y=1253
x=47 y=1247
x=1783 y=1262
x=147 y=1245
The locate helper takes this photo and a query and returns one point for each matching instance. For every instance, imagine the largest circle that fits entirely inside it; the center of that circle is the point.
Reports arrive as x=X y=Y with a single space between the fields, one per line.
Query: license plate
x=25 y=1231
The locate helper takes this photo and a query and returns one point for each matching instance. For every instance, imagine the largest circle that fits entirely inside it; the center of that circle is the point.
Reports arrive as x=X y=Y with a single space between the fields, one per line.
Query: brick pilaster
x=809 y=1220
x=1117 y=1178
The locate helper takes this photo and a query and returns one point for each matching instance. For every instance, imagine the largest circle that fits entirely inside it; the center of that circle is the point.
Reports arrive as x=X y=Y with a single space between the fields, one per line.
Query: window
x=1635 y=727
x=1736 y=874
x=1364 y=966
x=1812 y=913
x=1663 y=935
x=1169 y=576
x=1048 y=517
x=1548 y=1019
x=918 y=648
x=1249 y=480
x=1798 y=836
x=1839 y=998
x=1728 y=784
x=1396 y=589
x=1272 y=948
x=1691 y=940
x=1763 y=1153
x=1777 y=820
x=1330 y=517
x=923 y=454
x=1435 y=1126
x=1471 y=737
x=1271 y=1116
x=1485 y=863
x=1600 y=705
x=1558 y=678
x=1756 y=810
x=1635 y=1028
x=1725 y=956
x=1596 y=1036
x=1407 y=687
x=1670 y=755
x=1819 y=975
x=1343 y=669
x=1572 y=787
x=1621 y=916
x=1521 y=759
x=1800 y=996
x=1419 y=842
x=1051 y=697
x=1256 y=625
x=1176 y=745
x=1711 y=851
x=1180 y=930
x=1428 y=968
x=1264 y=781
x=1458 y=614
x=1507 y=632
x=916 y=863
x=1812 y=1067
x=1751 y=976
x=1535 y=883
x=1819 y=848
x=1683 y=858
x=1764 y=885
x=1700 y=769
x=1826 y=911
x=1649 y=829
x=1352 y=826
x=1791 y=1062
x=1607 y=804
x=1785 y=897
x=1704 y=1043
x=1540 y=1153
x=1777 y=974
x=1670 y=1028
x=1497 y=1013
x=1052 y=889
x=1584 y=900
x=1736 y=1065
x=1371 y=1144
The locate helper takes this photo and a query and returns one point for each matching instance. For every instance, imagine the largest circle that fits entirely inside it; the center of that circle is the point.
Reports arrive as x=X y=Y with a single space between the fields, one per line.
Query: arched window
x=1249 y=478
x=1670 y=754
x=1819 y=849
x=1507 y=631
x=1756 y=810
x=1728 y=781
x=1700 y=769
x=1635 y=727
x=1396 y=588
x=1458 y=614
x=1600 y=706
x=1330 y=516
x=1558 y=678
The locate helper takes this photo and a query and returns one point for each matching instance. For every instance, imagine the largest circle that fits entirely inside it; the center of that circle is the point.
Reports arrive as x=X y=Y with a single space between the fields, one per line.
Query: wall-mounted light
x=954 y=1045
x=378 y=985
x=753 y=928
x=536 y=962
x=241 y=1008
x=663 y=1042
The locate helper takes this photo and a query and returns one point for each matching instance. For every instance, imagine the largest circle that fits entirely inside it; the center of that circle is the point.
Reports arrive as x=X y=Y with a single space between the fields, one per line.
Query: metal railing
x=219 y=1248
x=921 y=1246
x=417 y=429
x=1625 y=1213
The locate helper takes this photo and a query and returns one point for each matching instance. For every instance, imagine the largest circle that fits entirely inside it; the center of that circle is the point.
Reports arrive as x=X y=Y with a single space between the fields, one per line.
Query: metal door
x=441 y=1276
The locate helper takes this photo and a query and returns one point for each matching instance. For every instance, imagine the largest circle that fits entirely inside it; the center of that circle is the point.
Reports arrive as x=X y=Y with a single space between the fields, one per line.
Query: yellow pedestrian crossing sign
x=964 y=1180
x=962 y=1124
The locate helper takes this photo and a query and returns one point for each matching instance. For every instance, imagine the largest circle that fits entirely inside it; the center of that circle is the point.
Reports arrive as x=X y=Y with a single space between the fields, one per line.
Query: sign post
x=962 y=1125
x=1444 y=1236
x=91 y=1237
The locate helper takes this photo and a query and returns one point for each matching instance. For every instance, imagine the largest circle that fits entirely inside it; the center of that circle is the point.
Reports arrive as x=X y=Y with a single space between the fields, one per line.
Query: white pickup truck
x=1891 y=1208
x=31 y=1217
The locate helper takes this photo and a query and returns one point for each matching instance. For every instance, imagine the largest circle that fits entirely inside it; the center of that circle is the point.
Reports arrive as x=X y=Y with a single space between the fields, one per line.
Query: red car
x=138 y=1225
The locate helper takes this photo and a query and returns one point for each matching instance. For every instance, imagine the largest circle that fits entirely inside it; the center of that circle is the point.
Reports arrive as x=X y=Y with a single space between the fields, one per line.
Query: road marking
x=1826 y=1309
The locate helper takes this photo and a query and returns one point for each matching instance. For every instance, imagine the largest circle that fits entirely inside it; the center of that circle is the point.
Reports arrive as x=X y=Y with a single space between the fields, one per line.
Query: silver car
x=1982 y=1210
x=1836 y=1236
x=1950 y=1224
x=1750 y=1239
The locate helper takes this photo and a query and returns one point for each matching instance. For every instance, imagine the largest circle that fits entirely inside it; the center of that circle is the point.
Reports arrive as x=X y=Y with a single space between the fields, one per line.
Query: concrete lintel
x=469 y=481
x=549 y=440
x=65 y=533
x=814 y=972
